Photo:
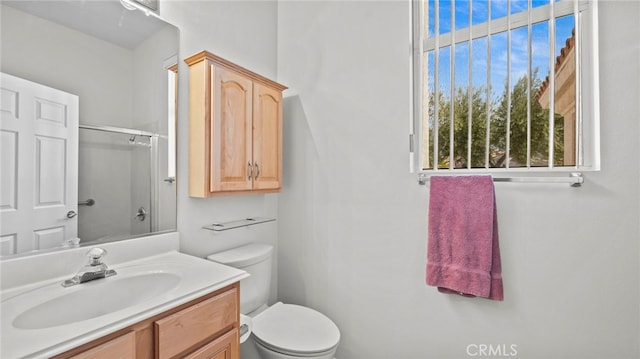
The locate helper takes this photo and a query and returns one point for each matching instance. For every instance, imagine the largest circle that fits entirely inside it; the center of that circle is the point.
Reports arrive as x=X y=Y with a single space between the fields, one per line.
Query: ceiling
x=105 y=19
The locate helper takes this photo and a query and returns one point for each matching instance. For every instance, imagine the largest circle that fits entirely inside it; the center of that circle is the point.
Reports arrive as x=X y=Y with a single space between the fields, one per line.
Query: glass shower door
x=116 y=174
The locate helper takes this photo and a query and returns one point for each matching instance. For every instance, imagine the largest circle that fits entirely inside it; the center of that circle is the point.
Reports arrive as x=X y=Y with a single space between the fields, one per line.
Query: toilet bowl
x=293 y=331
x=279 y=331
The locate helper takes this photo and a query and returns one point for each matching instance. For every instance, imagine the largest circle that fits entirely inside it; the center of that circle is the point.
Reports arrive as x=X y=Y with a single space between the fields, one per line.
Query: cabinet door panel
x=224 y=347
x=183 y=330
x=231 y=132
x=123 y=346
x=267 y=137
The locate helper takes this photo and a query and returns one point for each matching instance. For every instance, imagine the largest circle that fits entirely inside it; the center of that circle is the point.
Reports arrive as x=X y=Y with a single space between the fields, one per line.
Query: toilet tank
x=254 y=259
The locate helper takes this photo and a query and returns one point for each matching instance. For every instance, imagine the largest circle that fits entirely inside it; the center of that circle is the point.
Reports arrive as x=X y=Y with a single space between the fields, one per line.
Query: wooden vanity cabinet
x=235 y=129
x=205 y=328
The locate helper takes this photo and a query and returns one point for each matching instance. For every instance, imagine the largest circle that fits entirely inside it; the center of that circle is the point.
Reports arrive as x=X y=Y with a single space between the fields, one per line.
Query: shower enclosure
x=117 y=183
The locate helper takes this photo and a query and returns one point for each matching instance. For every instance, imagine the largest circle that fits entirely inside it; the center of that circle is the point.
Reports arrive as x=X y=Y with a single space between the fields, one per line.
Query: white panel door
x=39 y=161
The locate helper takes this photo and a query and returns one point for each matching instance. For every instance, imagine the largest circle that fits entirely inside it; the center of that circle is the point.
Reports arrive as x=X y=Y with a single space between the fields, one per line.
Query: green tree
x=518 y=142
x=497 y=112
x=461 y=128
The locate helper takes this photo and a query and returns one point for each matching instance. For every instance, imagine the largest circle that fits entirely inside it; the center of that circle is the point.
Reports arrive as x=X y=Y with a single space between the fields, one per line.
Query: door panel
x=48 y=238
x=8 y=243
x=50 y=175
x=267 y=140
x=39 y=128
x=9 y=173
x=232 y=131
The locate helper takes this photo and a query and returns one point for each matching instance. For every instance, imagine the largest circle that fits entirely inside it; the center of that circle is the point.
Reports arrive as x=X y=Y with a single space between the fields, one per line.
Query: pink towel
x=463 y=252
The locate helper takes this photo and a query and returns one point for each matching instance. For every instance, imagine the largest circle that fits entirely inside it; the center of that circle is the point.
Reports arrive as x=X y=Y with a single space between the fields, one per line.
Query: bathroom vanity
x=206 y=327
x=160 y=304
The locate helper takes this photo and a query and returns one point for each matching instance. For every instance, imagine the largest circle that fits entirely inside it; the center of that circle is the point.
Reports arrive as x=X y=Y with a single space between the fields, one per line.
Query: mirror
x=100 y=167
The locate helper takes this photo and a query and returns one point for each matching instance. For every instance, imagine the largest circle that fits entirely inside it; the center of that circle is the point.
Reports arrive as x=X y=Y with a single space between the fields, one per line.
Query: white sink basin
x=44 y=319
x=96 y=298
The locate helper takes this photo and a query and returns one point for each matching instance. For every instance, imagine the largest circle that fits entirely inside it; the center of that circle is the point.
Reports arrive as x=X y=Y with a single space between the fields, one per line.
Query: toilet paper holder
x=245 y=327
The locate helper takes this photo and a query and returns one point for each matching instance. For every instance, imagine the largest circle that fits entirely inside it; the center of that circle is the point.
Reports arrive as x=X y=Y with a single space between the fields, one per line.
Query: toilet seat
x=295 y=330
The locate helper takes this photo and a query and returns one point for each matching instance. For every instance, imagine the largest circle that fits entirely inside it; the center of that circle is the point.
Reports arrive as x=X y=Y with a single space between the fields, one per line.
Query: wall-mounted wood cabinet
x=235 y=129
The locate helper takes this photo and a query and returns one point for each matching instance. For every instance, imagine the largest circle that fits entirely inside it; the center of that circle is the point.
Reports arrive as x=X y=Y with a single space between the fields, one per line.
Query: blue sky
x=519 y=38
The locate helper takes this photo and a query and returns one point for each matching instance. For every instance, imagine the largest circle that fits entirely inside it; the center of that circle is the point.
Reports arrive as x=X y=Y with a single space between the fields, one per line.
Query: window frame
x=585 y=13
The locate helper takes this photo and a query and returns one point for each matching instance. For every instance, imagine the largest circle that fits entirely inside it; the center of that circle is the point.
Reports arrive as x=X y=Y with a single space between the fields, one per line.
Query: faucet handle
x=95 y=254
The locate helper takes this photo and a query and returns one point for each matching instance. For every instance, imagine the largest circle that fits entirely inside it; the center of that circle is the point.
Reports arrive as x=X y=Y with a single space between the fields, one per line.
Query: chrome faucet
x=94 y=269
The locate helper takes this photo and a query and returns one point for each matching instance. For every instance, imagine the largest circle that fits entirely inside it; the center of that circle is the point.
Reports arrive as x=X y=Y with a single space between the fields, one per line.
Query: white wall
x=83 y=65
x=150 y=113
x=243 y=32
x=353 y=221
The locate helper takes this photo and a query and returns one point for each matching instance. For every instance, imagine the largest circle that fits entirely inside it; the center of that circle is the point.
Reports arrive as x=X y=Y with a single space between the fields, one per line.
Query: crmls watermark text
x=492 y=350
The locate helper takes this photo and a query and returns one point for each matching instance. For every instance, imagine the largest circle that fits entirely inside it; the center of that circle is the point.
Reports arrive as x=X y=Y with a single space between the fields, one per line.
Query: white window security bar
x=431 y=46
x=575 y=179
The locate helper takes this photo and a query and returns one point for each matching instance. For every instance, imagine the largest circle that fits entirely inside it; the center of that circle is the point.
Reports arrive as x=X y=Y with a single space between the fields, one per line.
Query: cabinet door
x=187 y=328
x=267 y=137
x=231 y=147
x=123 y=347
x=224 y=347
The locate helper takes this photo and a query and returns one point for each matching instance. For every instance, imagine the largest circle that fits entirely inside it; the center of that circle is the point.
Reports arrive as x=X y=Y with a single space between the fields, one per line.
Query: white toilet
x=281 y=331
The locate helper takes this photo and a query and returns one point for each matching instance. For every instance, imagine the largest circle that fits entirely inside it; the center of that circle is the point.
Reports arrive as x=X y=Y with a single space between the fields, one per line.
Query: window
x=505 y=85
x=172 y=81
x=171 y=68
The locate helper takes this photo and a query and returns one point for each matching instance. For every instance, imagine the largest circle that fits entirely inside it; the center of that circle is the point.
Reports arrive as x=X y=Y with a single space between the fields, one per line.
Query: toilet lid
x=289 y=328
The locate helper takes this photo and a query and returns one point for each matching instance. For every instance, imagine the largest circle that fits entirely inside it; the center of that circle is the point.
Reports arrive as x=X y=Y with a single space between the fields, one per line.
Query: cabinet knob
x=250 y=170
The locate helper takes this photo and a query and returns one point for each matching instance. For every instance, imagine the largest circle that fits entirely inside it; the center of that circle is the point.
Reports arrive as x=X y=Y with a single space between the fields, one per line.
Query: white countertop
x=198 y=277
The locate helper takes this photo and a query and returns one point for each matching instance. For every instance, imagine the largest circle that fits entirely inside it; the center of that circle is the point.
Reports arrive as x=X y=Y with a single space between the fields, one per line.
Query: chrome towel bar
x=575 y=179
